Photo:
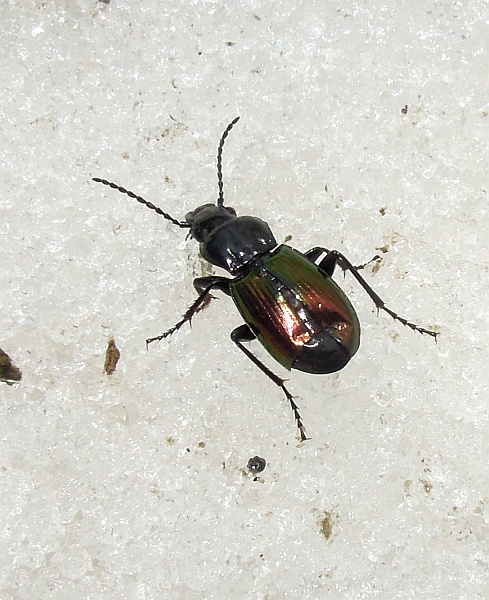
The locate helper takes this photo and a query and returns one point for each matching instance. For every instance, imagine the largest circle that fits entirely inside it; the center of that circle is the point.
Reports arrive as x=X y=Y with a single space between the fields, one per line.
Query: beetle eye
x=197 y=232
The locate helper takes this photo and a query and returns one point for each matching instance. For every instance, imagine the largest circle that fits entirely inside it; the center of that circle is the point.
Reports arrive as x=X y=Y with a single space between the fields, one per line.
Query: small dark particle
x=8 y=371
x=404 y=110
x=104 y=1
x=256 y=464
x=111 y=357
x=382 y=210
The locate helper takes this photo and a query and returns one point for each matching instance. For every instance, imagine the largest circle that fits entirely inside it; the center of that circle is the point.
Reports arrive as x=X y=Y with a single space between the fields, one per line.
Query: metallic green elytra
x=287 y=301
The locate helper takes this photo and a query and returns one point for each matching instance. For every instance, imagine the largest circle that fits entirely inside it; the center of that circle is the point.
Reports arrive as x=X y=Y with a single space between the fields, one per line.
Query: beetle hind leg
x=244 y=334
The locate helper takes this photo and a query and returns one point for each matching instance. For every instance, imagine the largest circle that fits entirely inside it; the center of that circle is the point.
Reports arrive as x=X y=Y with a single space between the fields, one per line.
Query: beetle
x=288 y=299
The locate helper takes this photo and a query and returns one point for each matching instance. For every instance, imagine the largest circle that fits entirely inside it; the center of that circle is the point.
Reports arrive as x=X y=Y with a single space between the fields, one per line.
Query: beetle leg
x=329 y=262
x=203 y=285
x=218 y=283
x=334 y=257
x=200 y=283
x=376 y=258
x=244 y=334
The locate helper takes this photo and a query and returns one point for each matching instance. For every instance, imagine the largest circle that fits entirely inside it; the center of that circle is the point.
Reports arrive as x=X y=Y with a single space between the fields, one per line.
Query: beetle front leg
x=203 y=285
x=333 y=258
x=244 y=334
x=200 y=283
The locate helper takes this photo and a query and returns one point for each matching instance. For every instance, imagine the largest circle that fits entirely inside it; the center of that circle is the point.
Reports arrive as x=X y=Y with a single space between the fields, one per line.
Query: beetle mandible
x=288 y=299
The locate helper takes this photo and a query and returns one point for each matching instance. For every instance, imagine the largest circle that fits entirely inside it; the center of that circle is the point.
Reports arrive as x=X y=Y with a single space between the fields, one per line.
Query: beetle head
x=205 y=219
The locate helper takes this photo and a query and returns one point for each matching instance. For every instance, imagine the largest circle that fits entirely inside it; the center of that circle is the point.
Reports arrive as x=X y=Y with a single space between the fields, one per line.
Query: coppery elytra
x=288 y=299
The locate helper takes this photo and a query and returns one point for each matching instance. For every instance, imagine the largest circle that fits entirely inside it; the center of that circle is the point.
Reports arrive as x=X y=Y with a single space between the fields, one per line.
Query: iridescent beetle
x=288 y=299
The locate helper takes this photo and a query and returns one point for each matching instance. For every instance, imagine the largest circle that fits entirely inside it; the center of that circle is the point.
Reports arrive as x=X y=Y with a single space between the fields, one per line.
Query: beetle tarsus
x=376 y=258
x=412 y=326
x=297 y=415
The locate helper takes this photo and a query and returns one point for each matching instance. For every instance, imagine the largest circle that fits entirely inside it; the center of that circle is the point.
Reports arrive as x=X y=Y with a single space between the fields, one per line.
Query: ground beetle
x=288 y=300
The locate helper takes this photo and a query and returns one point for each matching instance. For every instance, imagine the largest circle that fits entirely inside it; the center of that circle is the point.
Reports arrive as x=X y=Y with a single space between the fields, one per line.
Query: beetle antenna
x=220 y=200
x=140 y=199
